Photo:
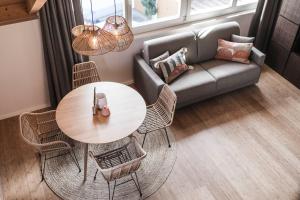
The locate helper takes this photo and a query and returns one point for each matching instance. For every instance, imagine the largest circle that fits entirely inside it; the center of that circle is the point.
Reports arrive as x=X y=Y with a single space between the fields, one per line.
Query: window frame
x=217 y=13
x=183 y=17
x=155 y=24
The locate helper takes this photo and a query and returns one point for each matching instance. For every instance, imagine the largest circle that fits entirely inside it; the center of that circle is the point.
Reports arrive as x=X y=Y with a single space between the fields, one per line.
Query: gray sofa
x=210 y=77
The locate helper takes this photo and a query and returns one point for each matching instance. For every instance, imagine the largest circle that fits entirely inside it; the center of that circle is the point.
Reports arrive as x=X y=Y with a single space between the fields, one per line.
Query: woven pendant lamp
x=91 y=40
x=94 y=42
x=78 y=30
x=118 y=26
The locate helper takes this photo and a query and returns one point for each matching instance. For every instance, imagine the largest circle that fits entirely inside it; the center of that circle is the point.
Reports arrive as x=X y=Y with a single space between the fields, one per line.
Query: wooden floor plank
x=239 y=146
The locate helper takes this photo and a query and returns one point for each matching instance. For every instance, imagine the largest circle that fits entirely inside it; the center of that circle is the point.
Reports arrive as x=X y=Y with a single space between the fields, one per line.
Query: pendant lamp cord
x=92 y=14
x=82 y=14
x=115 y=12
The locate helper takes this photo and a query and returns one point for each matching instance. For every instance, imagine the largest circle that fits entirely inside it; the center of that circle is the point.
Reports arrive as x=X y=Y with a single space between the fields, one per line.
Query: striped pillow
x=174 y=65
x=153 y=62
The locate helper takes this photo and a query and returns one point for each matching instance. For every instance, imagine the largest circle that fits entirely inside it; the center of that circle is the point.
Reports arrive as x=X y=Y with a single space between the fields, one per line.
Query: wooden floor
x=243 y=145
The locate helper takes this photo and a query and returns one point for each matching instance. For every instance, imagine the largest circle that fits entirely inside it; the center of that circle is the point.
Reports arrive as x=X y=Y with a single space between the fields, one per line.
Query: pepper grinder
x=95 y=106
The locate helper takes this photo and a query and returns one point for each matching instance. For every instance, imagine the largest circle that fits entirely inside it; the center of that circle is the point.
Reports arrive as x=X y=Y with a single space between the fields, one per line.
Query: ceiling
x=13 y=11
x=7 y=2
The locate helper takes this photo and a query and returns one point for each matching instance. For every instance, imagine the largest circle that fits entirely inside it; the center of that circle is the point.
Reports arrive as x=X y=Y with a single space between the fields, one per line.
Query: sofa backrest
x=201 y=44
x=172 y=43
x=207 y=39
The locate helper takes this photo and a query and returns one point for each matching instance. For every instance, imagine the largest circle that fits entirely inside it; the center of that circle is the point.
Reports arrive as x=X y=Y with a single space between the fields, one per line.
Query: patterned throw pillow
x=174 y=66
x=238 y=52
x=154 y=61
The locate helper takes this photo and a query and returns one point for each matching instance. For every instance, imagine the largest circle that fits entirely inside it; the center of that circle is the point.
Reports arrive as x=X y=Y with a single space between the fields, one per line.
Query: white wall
x=23 y=82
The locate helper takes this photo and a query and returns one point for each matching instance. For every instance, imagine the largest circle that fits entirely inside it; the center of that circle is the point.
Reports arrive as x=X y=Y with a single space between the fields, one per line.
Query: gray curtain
x=263 y=22
x=57 y=20
x=256 y=19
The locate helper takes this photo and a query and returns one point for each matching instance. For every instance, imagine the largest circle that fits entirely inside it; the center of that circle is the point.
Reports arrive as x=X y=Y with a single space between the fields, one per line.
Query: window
x=151 y=11
x=146 y=15
x=101 y=10
x=244 y=2
x=204 y=6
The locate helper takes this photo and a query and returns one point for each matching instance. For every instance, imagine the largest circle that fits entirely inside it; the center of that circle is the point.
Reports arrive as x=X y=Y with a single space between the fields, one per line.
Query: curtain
x=256 y=19
x=57 y=20
x=263 y=22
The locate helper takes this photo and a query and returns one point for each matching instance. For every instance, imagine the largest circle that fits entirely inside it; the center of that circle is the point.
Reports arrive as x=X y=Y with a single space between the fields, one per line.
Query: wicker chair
x=121 y=162
x=160 y=114
x=40 y=130
x=84 y=73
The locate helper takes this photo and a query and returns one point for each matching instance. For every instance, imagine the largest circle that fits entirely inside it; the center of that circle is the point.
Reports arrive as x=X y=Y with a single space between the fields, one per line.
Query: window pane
x=150 y=11
x=243 y=2
x=204 y=6
x=101 y=10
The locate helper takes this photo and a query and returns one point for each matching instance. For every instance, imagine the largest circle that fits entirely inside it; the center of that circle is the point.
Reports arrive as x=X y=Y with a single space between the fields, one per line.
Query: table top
x=75 y=117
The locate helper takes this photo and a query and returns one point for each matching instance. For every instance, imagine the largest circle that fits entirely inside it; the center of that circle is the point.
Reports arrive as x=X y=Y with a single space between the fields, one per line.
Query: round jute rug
x=64 y=179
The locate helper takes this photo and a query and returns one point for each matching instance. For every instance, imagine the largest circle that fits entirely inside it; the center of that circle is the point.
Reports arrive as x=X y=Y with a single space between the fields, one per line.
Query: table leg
x=86 y=151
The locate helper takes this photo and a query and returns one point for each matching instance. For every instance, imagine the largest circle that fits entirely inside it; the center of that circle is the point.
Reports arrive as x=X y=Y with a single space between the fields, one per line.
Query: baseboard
x=38 y=107
x=30 y=109
x=130 y=82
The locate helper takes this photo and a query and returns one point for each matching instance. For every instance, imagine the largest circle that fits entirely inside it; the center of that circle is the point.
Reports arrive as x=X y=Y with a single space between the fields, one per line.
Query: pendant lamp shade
x=118 y=27
x=78 y=30
x=93 y=41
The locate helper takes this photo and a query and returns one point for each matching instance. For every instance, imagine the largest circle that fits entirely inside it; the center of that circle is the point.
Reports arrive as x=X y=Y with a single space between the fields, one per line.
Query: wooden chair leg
x=137 y=184
x=166 y=132
x=112 y=198
x=144 y=139
x=43 y=165
x=75 y=159
x=96 y=176
x=108 y=185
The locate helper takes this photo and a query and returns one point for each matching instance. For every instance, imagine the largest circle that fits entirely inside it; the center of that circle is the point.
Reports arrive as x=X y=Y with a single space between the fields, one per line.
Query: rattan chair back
x=84 y=73
x=120 y=162
x=28 y=129
x=34 y=125
x=166 y=104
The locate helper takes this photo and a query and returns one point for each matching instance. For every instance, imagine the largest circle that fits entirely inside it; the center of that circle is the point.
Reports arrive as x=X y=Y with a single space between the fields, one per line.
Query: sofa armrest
x=148 y=83
x=257 y=56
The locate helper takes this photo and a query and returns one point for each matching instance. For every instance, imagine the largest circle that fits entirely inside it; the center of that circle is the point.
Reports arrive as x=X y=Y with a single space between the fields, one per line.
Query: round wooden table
x=75 y=117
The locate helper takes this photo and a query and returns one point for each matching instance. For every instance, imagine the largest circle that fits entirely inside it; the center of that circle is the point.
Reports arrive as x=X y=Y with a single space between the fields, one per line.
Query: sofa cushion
x=231 y=74
x=156 y=47
x=194 y=84
x=208 y=39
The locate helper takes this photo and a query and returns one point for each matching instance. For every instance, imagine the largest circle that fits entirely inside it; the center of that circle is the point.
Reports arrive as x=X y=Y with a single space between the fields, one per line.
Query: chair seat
x=152 y=122
x=120 y=162
x=52 y=137
x=114 y=158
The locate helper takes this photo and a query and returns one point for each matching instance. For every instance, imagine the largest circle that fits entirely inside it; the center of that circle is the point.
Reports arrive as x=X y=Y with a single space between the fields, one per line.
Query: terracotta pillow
x=237 y=52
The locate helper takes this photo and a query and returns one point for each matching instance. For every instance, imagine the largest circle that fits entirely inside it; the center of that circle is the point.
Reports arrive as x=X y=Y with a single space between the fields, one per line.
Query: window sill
x=187 y=24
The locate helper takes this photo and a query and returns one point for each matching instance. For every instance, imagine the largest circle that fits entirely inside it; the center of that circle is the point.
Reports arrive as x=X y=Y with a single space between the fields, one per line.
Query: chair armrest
x=53 y=146
x=257 y=56
x=148 y=83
